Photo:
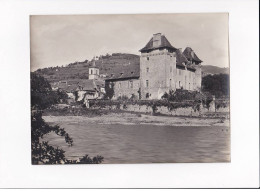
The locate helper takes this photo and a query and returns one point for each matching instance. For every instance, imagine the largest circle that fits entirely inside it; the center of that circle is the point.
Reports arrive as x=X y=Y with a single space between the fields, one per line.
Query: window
x=147 y=69
x=170 y=82
x=119 y=85
x=179 y=84
x=147 y=58
x=185 y=82
x=96 y=72
x=147 y=83
x=131 y=84
x=91 y=71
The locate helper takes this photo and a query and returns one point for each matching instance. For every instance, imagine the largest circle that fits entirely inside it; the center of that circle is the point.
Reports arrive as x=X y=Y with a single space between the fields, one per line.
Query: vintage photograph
x=124 y=89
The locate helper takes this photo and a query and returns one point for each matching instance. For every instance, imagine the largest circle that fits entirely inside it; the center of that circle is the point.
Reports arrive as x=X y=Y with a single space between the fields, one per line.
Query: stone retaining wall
x=187 y=111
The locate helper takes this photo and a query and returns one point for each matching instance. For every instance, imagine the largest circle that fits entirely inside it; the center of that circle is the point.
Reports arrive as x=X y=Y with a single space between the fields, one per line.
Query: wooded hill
x=210 y=69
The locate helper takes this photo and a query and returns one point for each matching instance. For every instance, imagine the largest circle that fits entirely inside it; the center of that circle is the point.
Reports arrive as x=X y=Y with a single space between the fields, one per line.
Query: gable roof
x=126 y=72
x=100 y=83
x=190 y=55
x=88 y=85
x=72 y=87
x=164 y=44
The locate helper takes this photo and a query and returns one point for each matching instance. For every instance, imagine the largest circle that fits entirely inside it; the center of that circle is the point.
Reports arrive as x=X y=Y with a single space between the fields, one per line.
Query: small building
x=126 y=83
x=87 y=90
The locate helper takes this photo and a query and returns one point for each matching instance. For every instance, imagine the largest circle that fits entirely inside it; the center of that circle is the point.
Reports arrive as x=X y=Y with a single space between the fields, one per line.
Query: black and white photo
x=127 y=89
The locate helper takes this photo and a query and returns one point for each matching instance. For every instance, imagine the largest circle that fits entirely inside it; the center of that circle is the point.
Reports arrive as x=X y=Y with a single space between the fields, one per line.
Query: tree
x=43 y=97
x=217 y=84
x=109 y=89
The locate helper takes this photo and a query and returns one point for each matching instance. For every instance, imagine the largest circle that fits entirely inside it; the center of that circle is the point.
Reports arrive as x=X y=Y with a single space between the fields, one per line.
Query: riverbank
x=135 y=119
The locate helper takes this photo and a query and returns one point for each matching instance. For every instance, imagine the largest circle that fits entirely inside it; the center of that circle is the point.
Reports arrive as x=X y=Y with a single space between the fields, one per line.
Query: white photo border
x=16 y=170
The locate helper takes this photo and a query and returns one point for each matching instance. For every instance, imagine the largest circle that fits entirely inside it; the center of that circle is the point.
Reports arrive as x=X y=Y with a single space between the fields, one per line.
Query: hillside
x=209 y=69
x=108 y=64
x=115 y=63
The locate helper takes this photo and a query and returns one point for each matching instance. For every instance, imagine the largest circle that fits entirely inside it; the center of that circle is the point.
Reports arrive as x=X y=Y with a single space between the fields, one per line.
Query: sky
x=62 y=39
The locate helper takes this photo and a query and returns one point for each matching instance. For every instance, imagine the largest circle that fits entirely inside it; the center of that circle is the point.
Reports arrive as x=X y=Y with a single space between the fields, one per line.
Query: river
x=145 y=143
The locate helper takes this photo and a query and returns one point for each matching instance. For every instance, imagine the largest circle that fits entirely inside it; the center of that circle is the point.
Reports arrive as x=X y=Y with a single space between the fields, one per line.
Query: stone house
x=126 y=83
x=162 y=68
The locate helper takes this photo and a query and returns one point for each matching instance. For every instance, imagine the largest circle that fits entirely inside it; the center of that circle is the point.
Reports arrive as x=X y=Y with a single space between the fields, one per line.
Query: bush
x=122 y=98
x=181 y=95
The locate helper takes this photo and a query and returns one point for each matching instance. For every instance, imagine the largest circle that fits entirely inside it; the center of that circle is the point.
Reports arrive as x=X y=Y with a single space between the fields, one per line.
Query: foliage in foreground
x=42 y=152
x=42 y=95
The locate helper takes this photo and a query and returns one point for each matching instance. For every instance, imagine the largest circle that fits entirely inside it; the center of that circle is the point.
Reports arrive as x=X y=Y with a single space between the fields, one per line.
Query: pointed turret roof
x=93 y=65
x=164 y=44
x=190 y=55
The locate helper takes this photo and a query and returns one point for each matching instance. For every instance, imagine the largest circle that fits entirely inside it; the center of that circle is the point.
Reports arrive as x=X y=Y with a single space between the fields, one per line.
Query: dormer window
x=132 y=72
x=112 y=75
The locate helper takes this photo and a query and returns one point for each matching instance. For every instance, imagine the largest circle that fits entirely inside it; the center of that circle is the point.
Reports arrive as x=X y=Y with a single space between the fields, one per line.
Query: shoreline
x=135 y=119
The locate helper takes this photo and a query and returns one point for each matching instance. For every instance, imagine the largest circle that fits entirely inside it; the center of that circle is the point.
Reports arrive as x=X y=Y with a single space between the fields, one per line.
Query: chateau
x=162 y=68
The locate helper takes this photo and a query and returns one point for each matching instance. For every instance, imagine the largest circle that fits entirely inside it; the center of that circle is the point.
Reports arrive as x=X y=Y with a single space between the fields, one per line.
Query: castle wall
x=185 y=79
x=126 y=88
x=157 y=70
x=198 y=77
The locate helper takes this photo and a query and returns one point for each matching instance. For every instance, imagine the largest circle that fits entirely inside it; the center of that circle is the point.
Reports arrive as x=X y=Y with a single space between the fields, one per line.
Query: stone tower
x=157 y=67
x=93 y=71
x=196 y=63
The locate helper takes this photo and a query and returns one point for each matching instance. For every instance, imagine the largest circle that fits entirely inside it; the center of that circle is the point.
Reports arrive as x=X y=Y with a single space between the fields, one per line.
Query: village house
x=84 y=89
x=162 y=68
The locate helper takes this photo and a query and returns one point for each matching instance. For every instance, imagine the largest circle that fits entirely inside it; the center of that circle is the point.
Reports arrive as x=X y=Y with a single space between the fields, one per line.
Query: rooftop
x=158 y=41
x=191 y=55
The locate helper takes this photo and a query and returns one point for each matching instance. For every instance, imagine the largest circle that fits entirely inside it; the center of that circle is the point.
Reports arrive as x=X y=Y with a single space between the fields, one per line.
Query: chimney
x=157 y=39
